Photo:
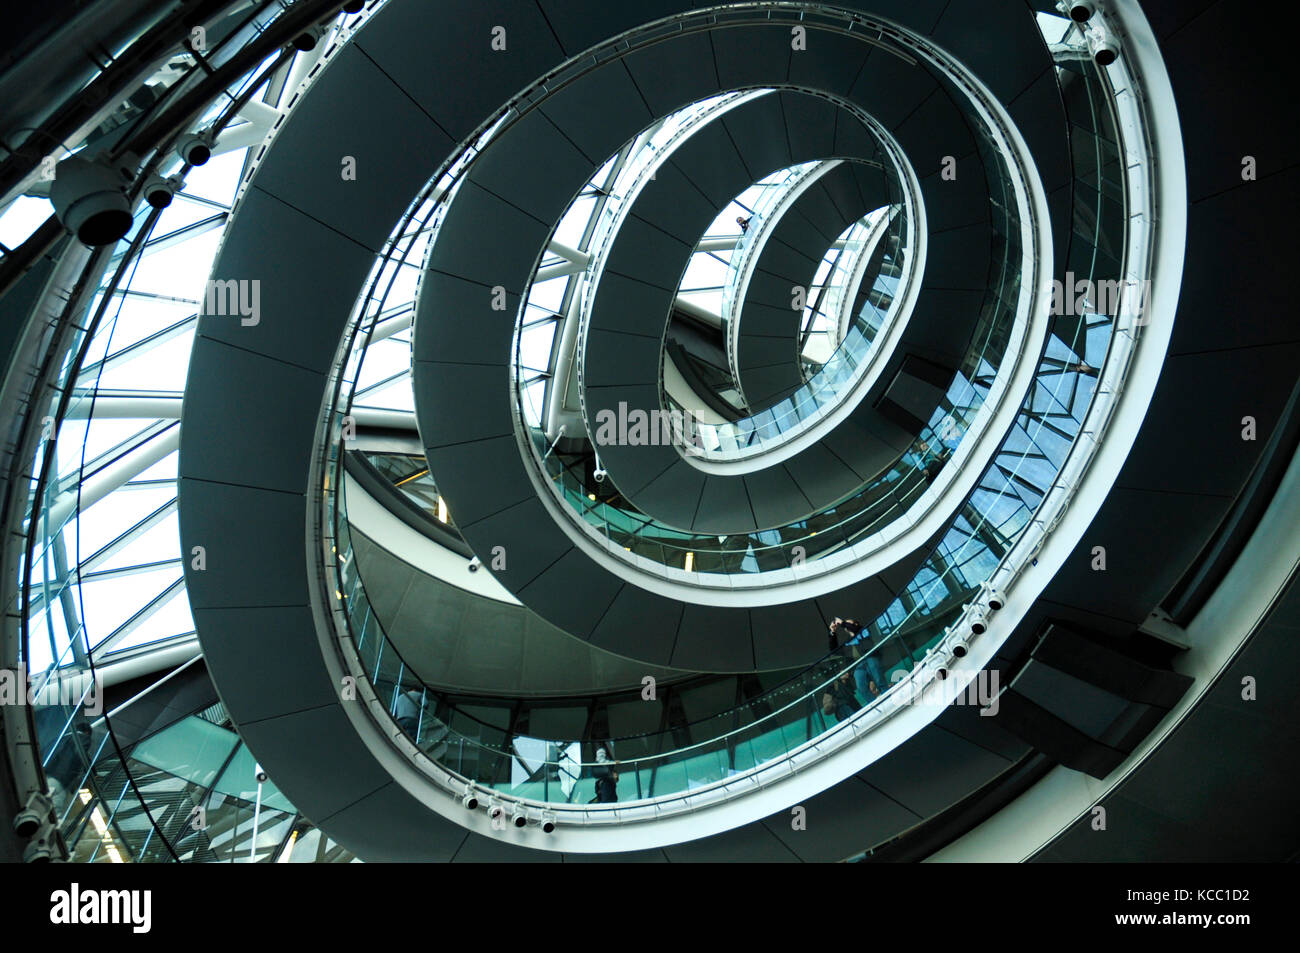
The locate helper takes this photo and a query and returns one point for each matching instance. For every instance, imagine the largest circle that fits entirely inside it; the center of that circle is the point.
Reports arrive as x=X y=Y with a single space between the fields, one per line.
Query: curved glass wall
x=100 y=580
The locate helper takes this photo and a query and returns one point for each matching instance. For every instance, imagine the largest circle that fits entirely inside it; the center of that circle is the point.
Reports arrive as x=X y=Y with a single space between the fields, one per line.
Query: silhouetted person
x=839 y=698
x=406 y=712
x=866 y=673
x=935 y=464
x=606 y=777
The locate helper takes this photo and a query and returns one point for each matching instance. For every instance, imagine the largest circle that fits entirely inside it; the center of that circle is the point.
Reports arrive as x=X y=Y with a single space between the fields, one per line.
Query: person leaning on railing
x=866 y=674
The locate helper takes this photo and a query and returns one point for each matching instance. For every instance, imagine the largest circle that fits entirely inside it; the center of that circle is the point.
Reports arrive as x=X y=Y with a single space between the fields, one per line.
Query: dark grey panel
x=574 y=573
x=300 y=317
x=633 y=306
x=788 y=635
x=1215 y=390
x=998 y=42
x=796 y=246
x=677 y=488
x=710 y=160
x=724 y=508
x=775 y=291
x=852 y=138
x=767 y=337
x=861 y=447
x=819 y=472
x=866 y=598
x=479 y=392
x=462 y=324
x=273 y=666
x=1224 y=76
x=769 y=385
x=942 y=323
x=526 y=554
x=711 y=639
x=983 y=730
x=844 y=819
x=673 y=204
x=775 y=497
x=758 y=131
x=1214 y=765
x=268 y=523
x=1134 y=832
x=1169 y=16
x=649 y=254
x=639 y=625
x=755 y=55
x=472 y=500
x=305 y=169
x=831 y=63
x=1039 y=115
x=459 y=46
x=705 y=700
x=492 y=237
x=890 y=89
x=758 y=353
x=227 y=382
x=1250 y=211
x=619 y=358
x=819 y=208
x=544 y=185
x=744 y=845
x=955 y=202
x=809 y=122
x=935 y=130
x=295 y=746
x=674 y=74
x=1148 y=538
x=906 y=775
x=583 y=23
x=598 y=108
x=390 y=826
x=633 y=718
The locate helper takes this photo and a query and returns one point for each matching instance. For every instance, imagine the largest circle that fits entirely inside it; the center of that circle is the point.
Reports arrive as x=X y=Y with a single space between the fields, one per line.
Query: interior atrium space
x=501 y=431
